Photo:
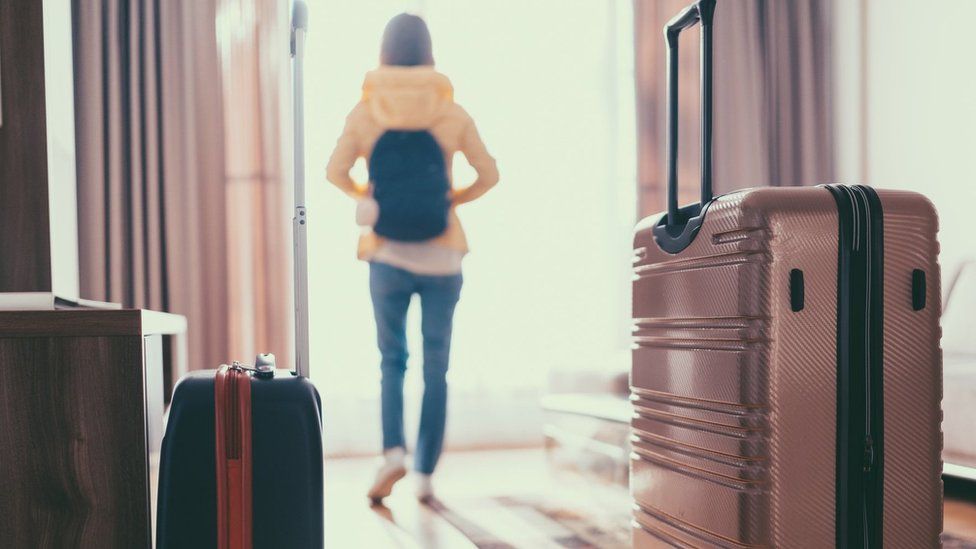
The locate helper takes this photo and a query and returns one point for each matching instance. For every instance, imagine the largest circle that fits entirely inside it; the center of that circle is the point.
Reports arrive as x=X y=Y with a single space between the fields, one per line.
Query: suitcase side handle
x=299 y=25
x=679 y=227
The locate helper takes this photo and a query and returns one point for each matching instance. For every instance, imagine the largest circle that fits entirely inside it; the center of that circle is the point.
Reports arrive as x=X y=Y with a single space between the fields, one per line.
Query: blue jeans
x=391 y=289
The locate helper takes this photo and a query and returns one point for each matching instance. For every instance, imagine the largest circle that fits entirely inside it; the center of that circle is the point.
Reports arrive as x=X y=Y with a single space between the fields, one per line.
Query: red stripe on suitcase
x=232 y=400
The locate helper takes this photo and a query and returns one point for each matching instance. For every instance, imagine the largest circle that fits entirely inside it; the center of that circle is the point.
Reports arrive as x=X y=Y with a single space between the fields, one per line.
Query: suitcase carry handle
x=299 y=25
x=679 y=227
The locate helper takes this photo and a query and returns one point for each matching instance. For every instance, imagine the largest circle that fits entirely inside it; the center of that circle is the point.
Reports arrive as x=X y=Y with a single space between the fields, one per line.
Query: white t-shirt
x=422 y=258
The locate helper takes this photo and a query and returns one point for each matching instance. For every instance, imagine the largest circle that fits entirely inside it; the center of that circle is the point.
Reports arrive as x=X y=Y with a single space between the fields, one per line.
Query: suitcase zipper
x=232 y=394
x=232 y=441
x=874 y=366
x=868 y=456
x=859 y=375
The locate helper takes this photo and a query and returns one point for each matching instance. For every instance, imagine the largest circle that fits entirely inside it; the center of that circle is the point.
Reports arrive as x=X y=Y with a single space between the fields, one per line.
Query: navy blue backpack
x=410 y=184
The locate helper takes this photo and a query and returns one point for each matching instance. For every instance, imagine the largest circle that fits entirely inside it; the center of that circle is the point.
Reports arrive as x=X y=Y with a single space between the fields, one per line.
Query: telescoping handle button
x=264 y=365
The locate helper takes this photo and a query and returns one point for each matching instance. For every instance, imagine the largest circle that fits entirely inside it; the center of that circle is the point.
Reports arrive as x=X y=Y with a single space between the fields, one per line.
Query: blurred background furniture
x=81 y=415
x=959 y=373
x=587 y=420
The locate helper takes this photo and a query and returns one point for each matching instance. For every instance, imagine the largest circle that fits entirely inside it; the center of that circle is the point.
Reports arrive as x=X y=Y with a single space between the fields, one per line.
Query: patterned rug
x=516 y=522
x=952 y=542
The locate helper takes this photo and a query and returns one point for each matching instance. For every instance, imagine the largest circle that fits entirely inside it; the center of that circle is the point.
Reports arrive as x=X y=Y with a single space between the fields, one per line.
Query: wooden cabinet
x=81 y=410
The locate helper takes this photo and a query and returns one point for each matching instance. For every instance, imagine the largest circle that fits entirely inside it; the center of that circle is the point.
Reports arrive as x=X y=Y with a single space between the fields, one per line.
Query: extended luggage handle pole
x=701 y=11
x=299 y=25
x=677 y=228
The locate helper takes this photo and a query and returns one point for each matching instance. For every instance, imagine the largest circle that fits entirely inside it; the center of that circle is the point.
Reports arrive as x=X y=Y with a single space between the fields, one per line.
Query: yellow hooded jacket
x=411 y=98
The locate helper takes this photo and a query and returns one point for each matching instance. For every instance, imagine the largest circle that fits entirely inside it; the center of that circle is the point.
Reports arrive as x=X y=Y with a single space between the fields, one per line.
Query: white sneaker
x=389 y=474
x=425 y=488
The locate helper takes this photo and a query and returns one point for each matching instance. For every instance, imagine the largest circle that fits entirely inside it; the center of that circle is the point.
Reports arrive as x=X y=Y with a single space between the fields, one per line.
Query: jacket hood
x=407 y=98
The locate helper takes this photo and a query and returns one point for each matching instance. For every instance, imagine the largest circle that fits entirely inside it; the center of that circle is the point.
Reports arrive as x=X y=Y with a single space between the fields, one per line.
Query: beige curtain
x=772 y=115
x=163 y=223
x=149 y=130
x=253 y=38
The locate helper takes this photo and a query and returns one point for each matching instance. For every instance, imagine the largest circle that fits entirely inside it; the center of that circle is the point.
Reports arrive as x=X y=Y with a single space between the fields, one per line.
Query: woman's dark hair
x=406 y=42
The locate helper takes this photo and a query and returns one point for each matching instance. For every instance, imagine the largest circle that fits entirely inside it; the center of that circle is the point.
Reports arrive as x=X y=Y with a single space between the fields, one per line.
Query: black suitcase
x=286 y=444
x=280 y=504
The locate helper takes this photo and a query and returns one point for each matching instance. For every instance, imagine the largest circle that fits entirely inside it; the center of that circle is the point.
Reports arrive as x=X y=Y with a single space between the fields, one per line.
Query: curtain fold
x=150 y=163
x=162 y=223
x=771 y=100
x=253 y=40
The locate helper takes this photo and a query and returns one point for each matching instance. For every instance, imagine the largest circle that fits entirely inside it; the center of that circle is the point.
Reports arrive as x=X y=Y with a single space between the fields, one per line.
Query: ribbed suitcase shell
x=734 y=393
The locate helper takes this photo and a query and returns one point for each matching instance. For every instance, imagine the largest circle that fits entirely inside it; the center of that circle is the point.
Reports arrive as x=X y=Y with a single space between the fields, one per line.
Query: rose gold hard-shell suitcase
x=787 y=375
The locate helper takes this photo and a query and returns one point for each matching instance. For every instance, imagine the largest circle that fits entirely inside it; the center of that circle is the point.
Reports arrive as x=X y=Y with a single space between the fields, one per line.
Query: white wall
x=62 y=185
x=919 y=88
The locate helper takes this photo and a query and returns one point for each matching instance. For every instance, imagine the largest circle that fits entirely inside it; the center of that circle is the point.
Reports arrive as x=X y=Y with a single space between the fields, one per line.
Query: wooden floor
x=960 y=509
x=463 y=476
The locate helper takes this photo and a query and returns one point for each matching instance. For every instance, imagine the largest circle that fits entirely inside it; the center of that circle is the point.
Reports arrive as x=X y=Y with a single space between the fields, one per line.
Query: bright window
x=550 y=86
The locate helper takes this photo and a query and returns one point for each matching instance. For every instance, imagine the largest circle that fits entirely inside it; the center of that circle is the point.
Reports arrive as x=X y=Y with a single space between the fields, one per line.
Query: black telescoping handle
x=702 y=12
